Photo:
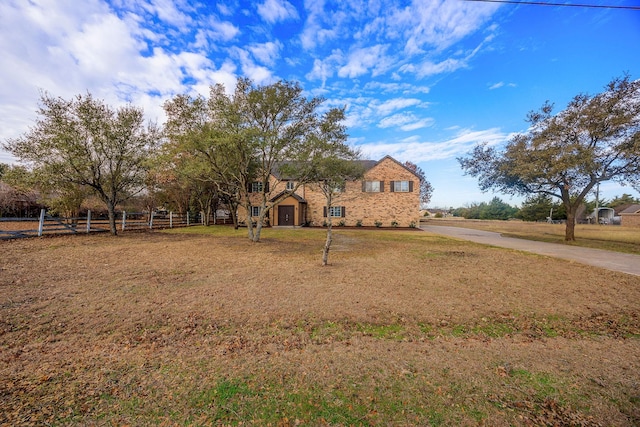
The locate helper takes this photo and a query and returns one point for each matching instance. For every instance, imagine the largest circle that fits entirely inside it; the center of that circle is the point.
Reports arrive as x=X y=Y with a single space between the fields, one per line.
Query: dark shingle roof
x=366 y=164
x=631 y=209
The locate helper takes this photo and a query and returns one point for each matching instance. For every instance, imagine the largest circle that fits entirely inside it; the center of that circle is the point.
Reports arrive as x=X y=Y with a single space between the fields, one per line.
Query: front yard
x=198 y=326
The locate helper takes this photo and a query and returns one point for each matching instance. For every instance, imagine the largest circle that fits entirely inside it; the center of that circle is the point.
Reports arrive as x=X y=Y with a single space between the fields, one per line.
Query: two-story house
x=389 y=194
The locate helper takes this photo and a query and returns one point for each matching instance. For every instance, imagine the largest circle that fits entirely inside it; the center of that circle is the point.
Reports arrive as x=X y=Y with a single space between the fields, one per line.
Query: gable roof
x=286 y=192
x=366 y=164
x=397 y=162
x=631 y=209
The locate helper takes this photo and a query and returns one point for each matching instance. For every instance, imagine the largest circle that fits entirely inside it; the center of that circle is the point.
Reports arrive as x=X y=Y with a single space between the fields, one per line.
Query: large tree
x=288 y=134
x=210 y=144
x=594 y=139
x=83 y=141
x=249 y=136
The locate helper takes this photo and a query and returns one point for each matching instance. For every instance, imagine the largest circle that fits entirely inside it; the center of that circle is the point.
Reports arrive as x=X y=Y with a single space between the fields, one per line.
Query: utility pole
x=598 y=203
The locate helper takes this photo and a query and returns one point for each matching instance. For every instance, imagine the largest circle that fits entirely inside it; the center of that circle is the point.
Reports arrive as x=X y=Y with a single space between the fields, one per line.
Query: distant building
x=630 y=217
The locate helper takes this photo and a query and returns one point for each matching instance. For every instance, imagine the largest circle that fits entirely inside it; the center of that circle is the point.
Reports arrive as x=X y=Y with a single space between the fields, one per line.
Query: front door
x=285 y=215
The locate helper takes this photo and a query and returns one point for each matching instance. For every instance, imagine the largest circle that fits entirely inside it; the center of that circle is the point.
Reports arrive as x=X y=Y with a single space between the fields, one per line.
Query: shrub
x=342 y=223
x=394 y=223
x=412 y=224
x=378 y=223
x=359 y=223
x=438 y=215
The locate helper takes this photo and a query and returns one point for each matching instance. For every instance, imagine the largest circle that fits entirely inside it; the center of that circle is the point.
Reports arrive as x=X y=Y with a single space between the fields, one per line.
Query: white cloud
x=394 y=104
x=169 y=11
x=267 y=53
x=438 y=24
x=405 y=88
x=406 y=122
x=221 y=30
x=361 y=61
x=257 y=73
x=501 y=84
x=73 y=47
x=274 y=11
x=414 y=149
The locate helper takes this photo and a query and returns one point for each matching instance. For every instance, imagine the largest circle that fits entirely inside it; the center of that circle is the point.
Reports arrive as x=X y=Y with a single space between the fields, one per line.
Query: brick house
x=630 y=217
x=389 y=195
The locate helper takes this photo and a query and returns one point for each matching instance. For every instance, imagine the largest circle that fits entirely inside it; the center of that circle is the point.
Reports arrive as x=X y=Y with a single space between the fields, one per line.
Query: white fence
x=14 y=228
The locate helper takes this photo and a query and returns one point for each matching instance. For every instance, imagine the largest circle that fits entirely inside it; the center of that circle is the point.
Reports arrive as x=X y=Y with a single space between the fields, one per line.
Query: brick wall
x=364 y=207
x=385 y=206
x=630 y=220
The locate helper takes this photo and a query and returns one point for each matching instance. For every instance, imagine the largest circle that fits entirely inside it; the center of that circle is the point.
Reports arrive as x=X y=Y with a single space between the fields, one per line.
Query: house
x=630 y=217
x=388 y=195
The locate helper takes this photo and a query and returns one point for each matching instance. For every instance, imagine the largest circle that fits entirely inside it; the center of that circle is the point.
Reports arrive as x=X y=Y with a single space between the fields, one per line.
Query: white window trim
x=333 y=210
x=398 y=186
x=372 y=186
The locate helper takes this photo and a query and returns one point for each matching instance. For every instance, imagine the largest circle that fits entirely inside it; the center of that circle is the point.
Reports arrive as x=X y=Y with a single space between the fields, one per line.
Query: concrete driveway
x=615 y=261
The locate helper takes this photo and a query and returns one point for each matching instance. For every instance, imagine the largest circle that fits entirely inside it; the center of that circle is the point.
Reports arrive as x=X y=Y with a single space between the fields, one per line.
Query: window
x=291 y=185
x=256 y=187
x=335 y=211
x=373 y=186
x=401 y=186
x=255 y=210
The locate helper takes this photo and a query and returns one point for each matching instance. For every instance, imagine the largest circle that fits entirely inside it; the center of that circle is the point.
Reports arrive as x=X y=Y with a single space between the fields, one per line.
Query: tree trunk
x=111 y=208
x=234 y=215
x=327 y=243
x=249 y=221
x=569 y=231
x=258 y=229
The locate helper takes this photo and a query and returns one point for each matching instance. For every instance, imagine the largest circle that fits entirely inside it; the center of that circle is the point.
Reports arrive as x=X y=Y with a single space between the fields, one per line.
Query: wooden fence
x=15 y=228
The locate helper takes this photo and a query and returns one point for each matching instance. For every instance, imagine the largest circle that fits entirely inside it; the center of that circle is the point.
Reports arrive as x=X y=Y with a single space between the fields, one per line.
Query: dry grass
x=404 y=328
x=608 y=237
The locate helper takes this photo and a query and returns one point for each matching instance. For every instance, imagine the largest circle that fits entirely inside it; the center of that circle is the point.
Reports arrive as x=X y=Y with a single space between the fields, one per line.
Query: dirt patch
x=401 y=328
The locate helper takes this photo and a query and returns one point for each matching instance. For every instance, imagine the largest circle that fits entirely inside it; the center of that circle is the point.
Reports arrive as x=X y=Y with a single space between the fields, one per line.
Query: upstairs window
x=373 y=186
x=256 y=187
x=291 y=185
x=255 y=210
x=401 y=186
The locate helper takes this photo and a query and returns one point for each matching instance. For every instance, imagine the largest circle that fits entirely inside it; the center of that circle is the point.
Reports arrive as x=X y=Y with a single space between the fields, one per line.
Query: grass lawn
x=200 y=327
x=607 y=237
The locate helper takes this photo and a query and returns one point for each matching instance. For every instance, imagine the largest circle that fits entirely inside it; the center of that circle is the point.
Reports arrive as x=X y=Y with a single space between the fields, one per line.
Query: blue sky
x=423 y=81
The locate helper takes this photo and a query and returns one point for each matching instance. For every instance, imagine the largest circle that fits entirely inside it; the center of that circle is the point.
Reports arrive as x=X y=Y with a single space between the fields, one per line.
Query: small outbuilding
x=603 y=216
x=630 y=217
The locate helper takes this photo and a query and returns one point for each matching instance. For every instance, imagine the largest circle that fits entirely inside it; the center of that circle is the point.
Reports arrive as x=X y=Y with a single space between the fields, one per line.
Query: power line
x=540 y=3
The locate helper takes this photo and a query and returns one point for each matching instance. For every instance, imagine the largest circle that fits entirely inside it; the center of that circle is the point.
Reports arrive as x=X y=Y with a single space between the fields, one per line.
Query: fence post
x=187 y=218
x=89 y=221
x=170 y=219
x=124 y=220
x=41 y=223
x=151 y=220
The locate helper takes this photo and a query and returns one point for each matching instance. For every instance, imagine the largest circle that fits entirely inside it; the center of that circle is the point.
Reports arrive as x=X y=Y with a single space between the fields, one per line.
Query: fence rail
x=15 y=228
